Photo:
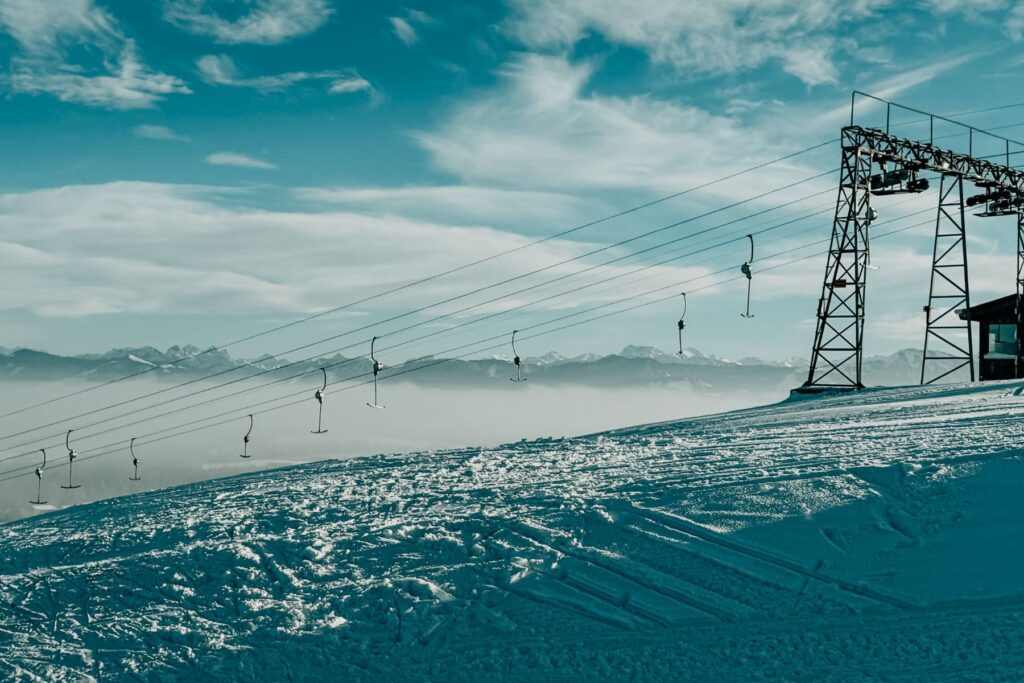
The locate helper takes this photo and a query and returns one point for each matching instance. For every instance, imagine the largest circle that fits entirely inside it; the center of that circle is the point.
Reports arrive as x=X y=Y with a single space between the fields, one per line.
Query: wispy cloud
x=222 y=70
x=404 y=27
x=47 y=33
x=128 y=84
x=525 y=212
x=239 y=160
x=697 y=36
x=153 y=132
x=888 y=88
x=266 y=22
x=403 y=30
x=539 y=127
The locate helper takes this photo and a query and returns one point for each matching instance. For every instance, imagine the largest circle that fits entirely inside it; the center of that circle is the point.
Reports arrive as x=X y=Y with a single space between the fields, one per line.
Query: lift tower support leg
x=839 y=337
x=948 y=345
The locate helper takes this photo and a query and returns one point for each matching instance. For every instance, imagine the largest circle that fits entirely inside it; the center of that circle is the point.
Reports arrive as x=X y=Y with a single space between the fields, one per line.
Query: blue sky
x=191 y=171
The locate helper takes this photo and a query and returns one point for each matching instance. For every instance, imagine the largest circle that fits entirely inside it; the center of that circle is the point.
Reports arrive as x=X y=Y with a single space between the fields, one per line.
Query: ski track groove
x=556 y=542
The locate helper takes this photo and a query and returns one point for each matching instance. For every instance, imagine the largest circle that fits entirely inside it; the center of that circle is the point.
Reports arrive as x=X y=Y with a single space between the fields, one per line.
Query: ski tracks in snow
x=832 y=535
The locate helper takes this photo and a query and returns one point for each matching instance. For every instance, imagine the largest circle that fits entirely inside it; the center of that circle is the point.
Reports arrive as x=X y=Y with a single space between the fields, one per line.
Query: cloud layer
x=151 y=248
x=539 y=128
x=222 y=70
x=47 y=32
x=154 y=132
x=264 y=22
x=698 y=36
x=239 y=160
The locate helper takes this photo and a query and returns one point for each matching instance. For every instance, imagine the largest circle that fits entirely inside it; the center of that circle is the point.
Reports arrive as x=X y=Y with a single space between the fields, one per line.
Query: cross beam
x=926 y=156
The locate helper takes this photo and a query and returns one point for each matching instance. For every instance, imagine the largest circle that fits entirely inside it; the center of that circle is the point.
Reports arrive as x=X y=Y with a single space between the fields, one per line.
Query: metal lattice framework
x=868 y=155
x=839 y=338
x=948 y=344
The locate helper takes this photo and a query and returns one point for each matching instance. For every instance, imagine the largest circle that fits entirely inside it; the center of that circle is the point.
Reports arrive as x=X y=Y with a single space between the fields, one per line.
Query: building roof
x=1002 y=309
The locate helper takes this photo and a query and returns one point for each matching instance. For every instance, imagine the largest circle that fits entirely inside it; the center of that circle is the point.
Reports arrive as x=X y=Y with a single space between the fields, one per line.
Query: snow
x=874 y=535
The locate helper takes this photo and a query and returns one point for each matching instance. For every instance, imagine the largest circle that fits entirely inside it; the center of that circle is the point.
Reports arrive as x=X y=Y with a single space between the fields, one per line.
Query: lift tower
x=876 y=162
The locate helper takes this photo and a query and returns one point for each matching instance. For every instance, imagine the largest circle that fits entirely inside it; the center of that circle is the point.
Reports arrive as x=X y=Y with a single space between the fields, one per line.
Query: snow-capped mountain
x=634 y=365
x=869 y=536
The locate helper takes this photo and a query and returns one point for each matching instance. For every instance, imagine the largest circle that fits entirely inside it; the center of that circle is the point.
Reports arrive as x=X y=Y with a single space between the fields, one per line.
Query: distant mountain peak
x=634 y=365
x=648 y=352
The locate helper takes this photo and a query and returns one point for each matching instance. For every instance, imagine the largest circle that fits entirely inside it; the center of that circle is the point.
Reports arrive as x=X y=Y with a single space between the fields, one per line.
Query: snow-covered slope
x=875 y=536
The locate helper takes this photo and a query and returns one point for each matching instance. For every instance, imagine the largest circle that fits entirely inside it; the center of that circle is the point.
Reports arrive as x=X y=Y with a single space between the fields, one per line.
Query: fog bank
x=416 y=418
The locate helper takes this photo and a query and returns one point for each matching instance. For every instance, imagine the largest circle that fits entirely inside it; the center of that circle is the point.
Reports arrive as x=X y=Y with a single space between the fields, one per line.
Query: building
x=997 y=350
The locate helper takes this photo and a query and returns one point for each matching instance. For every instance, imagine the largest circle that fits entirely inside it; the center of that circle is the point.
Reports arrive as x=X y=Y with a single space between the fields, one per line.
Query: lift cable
x=414 y=325
x=435 y=276
x=471 y=264
x=22 y=471
x=462 y=296
x=411 y=341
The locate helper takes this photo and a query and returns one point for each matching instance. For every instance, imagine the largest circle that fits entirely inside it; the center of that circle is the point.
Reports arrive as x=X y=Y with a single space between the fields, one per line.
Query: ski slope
x=870 y=536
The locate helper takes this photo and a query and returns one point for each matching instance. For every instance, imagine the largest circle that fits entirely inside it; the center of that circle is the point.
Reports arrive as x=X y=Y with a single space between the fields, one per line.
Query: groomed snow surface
x=870 y=536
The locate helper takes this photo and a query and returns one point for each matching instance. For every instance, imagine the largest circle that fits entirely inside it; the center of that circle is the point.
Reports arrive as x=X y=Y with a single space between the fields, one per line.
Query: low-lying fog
x=416 y=418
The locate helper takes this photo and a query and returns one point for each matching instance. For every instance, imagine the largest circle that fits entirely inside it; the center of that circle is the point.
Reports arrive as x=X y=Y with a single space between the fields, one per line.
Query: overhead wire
x=492 y=257
x=391 y=333
x=19 y=472
x=346 y=361
x=463 y=295
x=471 y=264
x=430 y=278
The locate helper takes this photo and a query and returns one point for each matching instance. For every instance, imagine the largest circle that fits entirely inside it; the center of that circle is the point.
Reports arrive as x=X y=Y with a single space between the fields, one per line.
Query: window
x=1002 y=339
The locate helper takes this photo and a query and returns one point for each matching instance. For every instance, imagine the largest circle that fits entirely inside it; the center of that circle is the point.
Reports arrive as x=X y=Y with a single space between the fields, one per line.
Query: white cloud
x=404 y=27
x=133 y=247
x=967 y=7
x=354 y=83
x=40 y=27
x=1015 y=22
x=236 y=159
x=538 y=129
x=1005 y=15
x=46 y=32
x=127 y=83
x=543 y=126
x=696 y=36
x=886 y=88
x=526 y=212
x=267 y=22
x=403 y=30
x=222 y=70
x=153 y=132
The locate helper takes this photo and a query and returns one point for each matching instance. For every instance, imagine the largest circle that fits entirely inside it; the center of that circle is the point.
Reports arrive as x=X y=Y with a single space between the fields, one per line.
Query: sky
x=196 y=171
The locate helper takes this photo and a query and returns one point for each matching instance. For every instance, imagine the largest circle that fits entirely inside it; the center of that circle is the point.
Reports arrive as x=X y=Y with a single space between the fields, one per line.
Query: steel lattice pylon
x=837 y=354
x=948 y=345
x=838 y=340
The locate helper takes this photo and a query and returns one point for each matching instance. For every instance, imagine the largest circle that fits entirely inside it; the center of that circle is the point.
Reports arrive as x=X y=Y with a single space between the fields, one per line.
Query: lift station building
x=997 y=348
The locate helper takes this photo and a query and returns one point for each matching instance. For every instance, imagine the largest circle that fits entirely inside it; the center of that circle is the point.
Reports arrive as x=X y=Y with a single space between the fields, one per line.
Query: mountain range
x=633 y=366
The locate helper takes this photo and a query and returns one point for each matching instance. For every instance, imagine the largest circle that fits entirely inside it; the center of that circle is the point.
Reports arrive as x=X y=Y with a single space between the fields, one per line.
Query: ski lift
x=135 y=460
x=72 y=454
x=39 y=481
x=515 y=359
x=745 y=269
x=682 y=324
x=319 y=396
x=245 y=440
x=377 y=367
